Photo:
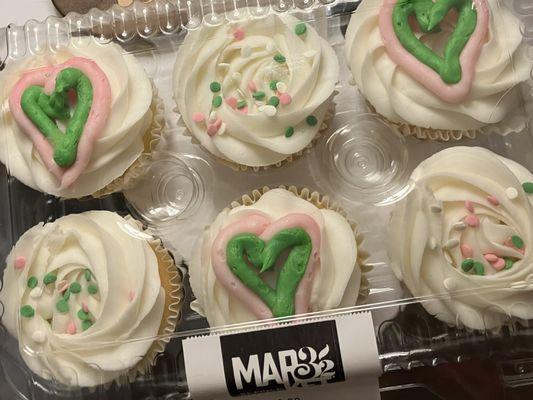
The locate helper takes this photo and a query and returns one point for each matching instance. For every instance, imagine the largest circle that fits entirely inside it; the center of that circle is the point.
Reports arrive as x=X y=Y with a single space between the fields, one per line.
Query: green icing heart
x=429 y=15
x=43 y=110
x=246 y=250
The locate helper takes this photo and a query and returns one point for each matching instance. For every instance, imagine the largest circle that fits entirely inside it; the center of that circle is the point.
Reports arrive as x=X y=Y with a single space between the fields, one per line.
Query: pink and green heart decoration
x=75 y=94
x=244 y=250
x=449 y=75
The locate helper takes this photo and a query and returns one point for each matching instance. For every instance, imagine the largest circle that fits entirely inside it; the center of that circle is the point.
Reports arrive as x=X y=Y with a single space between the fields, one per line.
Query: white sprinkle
x=213 y=116
x=511 y=193
x=236 y=76
x=224 y=65
x=269 y=110
x=451 y=243
x=436 y=208
x=38 y=336
x=281 y=86
x=432 y=243
x=271 y=46
x=261 y=108
x=449 y=284
x=246 y=51
x=36 y=292
x=222 y=129
x=520 y=285
x=309 y=53
x=459 y=226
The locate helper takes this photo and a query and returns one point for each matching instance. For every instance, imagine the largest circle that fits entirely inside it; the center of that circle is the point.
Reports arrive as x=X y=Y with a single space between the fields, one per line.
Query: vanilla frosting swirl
x=92 y=282
x=495 y=93
x=467 y=229
x=118 y=145
x=253 y=61
x=336 y=277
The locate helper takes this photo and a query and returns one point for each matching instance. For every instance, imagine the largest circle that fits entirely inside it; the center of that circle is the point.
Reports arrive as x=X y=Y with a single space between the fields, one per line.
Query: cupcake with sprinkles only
x=441 y=70
x=79 y=121
x=256 y=93
x=462 y=238
x=87 y=296
x=277 y=253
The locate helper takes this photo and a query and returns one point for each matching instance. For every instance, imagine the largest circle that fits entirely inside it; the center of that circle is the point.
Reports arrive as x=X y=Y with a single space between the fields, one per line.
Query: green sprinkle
x=528 y=187
x=517 y=241
x=27 y=311
x=84 y=316
x=217 y=101
x=280 y=58
x=88 y=275
x=311 y=120
x=479 y=268
x=62 y=306
x=274 y=101
x=49 y=278
x=86 y=324
x=300 y=28
x=75 y=287
x=273 y=85
x=66 y=295
x=289 y=132
x=32 y=282
x=215 y=87
x=467 y=264
x=92 y=288
x=258 y=95
x=241 y=104
x=508 y=263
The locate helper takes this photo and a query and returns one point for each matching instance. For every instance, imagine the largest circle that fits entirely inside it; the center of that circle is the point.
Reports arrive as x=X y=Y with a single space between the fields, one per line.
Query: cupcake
x=237 y=274
x=87 y=296
x=256 y=93
x=462 y=238
x=80 y=121
x=438 y=71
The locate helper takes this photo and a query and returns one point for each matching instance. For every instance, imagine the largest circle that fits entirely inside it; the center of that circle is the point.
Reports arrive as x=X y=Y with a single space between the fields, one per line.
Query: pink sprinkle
x=20 y=263
x=198 y=117
x=213 y=128
x=499 y=264
x=244 y=110
x=252 y=86
x=131 y=295
x=467 y=251
x=84 y=306
x=232 y=102
x=472 y=220
x=239 y=34
x=469 y=206
x=71 y=328
x=493 y=200
x=61 y=286
x=285 y=99
x=492 y=258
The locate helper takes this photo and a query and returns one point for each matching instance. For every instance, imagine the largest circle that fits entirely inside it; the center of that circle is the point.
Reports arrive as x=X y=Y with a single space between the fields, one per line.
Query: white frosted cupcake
x=87 y=295
x=398 y=67
x=256 y=93
x=79 y=121
x=235 y=272
x=464 y=236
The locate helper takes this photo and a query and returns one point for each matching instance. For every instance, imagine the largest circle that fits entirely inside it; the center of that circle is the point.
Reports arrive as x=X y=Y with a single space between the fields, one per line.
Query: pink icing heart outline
x=260 y=225
x=46 y=77
x=427 y=77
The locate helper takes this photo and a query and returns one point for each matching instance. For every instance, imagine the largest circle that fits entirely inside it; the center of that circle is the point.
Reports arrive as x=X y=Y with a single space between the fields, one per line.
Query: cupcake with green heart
x=442 y=69
x=77 y=122
x=277 y=253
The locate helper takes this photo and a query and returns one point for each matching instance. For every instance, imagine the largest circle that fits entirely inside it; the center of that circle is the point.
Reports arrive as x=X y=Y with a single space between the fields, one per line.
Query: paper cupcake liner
x=515 y=122
x=321 y=202
x=151 y=139
x=172 y=283
x=328 y=117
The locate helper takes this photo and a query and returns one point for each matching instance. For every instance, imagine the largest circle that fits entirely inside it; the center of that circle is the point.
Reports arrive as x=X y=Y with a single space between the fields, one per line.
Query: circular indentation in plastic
x=367 y=161
x=214 y=12
x=282 y=5
x=304 y=4
x=168 y=190
x=259 y=8
x=123 y=23
x=169 y=16
x=146 y=18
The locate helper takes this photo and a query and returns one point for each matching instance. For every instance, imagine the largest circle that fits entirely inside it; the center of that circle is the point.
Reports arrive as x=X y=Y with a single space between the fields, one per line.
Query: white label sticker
x=296 y=361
